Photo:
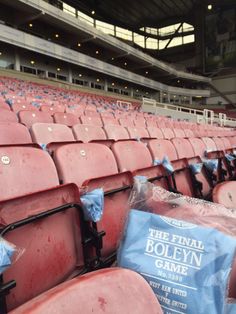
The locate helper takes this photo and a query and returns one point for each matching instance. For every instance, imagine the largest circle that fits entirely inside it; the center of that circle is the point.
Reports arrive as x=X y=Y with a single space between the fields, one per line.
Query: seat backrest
x=87 y=133
x=219 y=143
x=7 y=116
x=224 y=193
x=77 y=163
x=68 y=119
x=28 y=118
x=131 y=155
x=160 y=148
x=14 y=133
x=137 y=132
x=227 y=143
x=167 y=133
x=109 y=121
x=126 y=122
x=49 y=109
x=44 y=133
x=155 y=132
x=33 y=167
x=179 y=133
x=91 y=120
x=188 y=133
x=140 y=122
x=23 y=106
x=103 y=290
x=199 y=146
x=116 y=132
x=183 y=148
x=76 y=110
x=210 y=144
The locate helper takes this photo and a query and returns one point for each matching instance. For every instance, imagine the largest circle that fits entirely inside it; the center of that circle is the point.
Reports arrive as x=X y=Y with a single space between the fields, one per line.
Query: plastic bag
x=93 y=204
x=184 y=248
x=165 y=163
x=196 y=168
x=9 y=253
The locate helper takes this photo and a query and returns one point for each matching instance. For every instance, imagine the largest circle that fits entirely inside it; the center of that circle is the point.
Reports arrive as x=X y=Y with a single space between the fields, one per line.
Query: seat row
x=44 y=204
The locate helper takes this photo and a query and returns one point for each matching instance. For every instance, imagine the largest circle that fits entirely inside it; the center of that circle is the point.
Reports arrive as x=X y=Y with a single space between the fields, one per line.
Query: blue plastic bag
x=187 y=265
x=196 y=168
x=6 y=252
x=165 y=163
x=93 y=204
x=230 y=157
x=211 y=164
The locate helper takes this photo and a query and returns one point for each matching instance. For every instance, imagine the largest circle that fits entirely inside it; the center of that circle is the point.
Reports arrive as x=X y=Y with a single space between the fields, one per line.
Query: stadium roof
x=135 y=14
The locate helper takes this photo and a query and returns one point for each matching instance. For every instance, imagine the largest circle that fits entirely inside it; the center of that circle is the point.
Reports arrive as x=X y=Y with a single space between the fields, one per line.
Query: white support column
x=190 y=100
x=105 y=86
x=161 y=97
x=70 y=76
x=132 y=92
x=17 y=61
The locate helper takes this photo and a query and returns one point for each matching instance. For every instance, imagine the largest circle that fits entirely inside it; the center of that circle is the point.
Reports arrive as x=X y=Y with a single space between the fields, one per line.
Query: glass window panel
x=151 y=43
x=123 y=33
x=139 y=40
x=189 y=39
x=85 y=18
x=69 y=9
x=163 y=43
x=105 y=27
x=168 y=30
x=187 y=27
x=177 y=41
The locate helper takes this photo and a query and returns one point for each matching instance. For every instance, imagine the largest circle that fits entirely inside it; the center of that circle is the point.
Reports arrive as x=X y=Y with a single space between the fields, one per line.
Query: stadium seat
x=28 y=118
x=179 y=133
x=97 y=292
x=14 y=133
x=126 y=122
x=140 y=122
x=224 y=193
x=68 y=119
x=199 y=146
x=7 y=116
x=52 y=109
x=87 y=133
x=91 y=120
x=181 y=180
x=188 y=133
x=167 y=133
x=154 y=132
x=44 y=133
x=16 y=107
x=137 y=132
x=109 y=121
x=92 y=166
x=76 y=110
x=116 y=132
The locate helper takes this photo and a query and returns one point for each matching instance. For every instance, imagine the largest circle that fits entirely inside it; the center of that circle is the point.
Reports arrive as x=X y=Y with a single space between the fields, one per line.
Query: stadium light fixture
x=32 y=62
x=58 y=69
x=80 y=75
x=126 y=87
x=57 y=35
x=97 y=52
x=125 y=63
x=113 y=84
x=137 y=90
x=146 y=93
x=112 y=58
x=209 y=7
x=0 y=53
x=79 y=44
x=146 y=72
x=98 y=80
x=30 y=25
x=93 y=12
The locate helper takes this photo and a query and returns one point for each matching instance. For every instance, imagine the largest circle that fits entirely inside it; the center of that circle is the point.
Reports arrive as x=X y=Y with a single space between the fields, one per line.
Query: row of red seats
x=53 y=246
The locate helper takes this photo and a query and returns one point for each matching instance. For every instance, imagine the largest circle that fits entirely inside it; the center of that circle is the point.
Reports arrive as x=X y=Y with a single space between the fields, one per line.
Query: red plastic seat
x=94 y=166
x=14 y=133
x=23 y=106
x=179 y=133
x=126 y=122
x=182 y=179
x=183 y=148
x=52 y=109
x=137 y=132
x=131 y=155
x=91 y=120
x=7 y=116
x=188 y=133
x=167 y=133
x=199 y=146
x=87 y=133
x=219 y=143
x=140 y=122
x=210 y=144
x=97 y=292
x=44 y=133
x=109 y=121
x=116 y=132
x=224 y=193
x=52 y=252
x=155 y=132
x=226 y=142
x=68 y=119
x=76 y=110
x=28 y=118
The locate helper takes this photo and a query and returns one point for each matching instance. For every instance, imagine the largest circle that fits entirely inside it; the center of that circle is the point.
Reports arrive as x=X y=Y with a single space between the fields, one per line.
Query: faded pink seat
x=14 y=133
x=87 y=133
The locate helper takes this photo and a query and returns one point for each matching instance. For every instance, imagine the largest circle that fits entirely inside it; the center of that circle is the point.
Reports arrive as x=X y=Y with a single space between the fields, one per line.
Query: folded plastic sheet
x=211 y=164
x=230 y=157
x=6 y=252
x=196 y=168
x=182 y=262
x=184 y=248
x=93 y=205
x=165 y=163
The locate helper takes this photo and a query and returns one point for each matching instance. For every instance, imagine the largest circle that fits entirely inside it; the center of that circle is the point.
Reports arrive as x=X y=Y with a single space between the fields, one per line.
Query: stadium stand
x=66 y=133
